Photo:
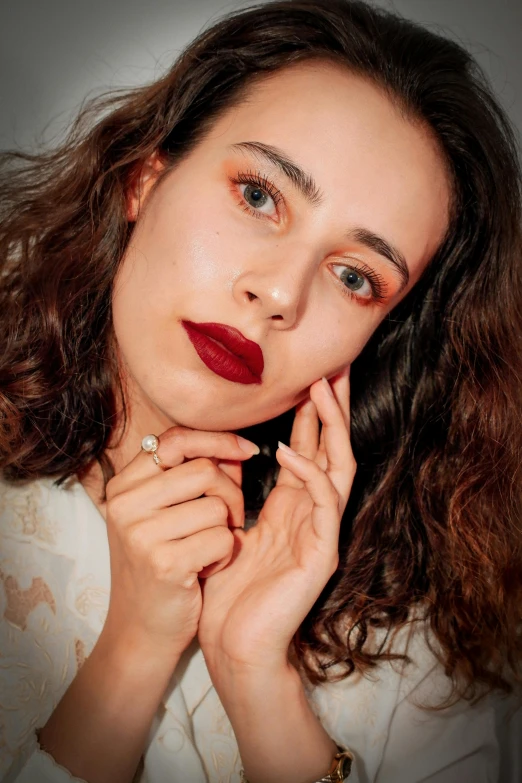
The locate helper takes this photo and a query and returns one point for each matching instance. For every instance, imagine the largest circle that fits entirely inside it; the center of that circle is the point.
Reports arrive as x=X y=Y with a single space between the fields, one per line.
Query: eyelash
x=257 y=180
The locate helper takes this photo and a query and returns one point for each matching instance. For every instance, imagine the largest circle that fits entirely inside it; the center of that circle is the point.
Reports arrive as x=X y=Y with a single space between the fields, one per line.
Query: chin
x=191 y=401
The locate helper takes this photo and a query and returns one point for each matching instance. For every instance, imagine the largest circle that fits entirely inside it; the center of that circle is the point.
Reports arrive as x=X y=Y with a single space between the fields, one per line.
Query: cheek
x=175 y=253
x=198 y=243
x=338 y=343
x=357 y=338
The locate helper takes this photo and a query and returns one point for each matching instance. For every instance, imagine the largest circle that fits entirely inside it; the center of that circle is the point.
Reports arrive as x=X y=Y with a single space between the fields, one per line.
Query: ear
x=140 y=184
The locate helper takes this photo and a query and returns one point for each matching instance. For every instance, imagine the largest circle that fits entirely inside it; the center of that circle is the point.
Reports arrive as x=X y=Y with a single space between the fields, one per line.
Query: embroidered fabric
x=54 y=595
x=39 y=766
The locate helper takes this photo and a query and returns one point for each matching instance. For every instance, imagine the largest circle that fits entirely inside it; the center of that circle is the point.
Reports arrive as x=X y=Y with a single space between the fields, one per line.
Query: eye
x=259 y=196
x=354 y=281
x=361 y=284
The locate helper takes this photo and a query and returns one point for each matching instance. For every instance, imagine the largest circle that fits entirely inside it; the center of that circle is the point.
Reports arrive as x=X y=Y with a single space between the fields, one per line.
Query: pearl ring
x=150 y=444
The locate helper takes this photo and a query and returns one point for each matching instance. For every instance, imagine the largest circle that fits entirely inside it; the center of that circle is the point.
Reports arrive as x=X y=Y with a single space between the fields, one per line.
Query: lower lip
x=219 y=359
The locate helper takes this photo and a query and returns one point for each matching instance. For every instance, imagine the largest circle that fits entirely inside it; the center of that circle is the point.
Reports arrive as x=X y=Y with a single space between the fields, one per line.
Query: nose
x=279 y=288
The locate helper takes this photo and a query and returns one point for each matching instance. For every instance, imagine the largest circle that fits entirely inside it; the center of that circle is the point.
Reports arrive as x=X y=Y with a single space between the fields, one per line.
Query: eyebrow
x=307 y=186
x=304 y=182
x=383 y=248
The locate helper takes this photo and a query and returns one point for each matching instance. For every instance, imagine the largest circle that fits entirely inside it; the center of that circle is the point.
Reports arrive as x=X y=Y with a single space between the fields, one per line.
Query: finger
x=185 y=482
x=178 y=522
x=326 y=514
x=213 y=568
x=340 y=463
x=304 y=439
x=340 y=384
x=211 y=547
x=305 y=432
x=175 y=446
x=233 y=469
x=208 y=547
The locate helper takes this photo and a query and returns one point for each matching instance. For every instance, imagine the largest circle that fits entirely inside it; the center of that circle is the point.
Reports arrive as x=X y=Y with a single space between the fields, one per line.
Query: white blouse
x=54 y=594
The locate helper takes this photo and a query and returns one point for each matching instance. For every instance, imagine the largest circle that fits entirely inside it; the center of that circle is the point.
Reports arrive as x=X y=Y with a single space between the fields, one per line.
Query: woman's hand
x=253 y=607
x=166 y=526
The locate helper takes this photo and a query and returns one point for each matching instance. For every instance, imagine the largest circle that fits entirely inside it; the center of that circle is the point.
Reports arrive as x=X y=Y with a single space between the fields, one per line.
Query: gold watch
x=341 y=767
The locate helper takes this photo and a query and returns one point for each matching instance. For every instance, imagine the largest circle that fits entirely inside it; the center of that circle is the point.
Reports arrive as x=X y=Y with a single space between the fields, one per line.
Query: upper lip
x=247 y=350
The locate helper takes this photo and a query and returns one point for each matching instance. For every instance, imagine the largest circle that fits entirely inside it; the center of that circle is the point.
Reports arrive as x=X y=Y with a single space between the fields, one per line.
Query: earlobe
x=140 y=184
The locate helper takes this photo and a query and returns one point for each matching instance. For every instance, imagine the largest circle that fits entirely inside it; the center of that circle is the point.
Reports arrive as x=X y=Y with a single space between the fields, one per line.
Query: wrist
x=240 y=685
x=222 y=665
x=338 y=771
x=131 y=651
x=279 y=736
x=99 y=728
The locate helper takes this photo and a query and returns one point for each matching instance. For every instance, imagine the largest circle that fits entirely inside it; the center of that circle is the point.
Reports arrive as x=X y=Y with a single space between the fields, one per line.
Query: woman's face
x=305 y=265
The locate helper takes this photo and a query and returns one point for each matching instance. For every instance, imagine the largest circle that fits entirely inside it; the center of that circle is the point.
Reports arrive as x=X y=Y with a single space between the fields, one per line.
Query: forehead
x=371 y=162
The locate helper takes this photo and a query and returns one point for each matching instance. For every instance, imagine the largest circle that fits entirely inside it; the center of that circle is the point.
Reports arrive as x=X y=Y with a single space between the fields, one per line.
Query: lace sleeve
x=33 y=764
x=38 y=657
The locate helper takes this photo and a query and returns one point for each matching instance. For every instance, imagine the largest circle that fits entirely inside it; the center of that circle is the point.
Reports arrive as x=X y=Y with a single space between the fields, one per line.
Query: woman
x=313 y=190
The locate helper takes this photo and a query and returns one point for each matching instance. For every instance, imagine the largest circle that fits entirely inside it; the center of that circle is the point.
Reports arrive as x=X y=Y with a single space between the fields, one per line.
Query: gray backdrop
x=55 y=52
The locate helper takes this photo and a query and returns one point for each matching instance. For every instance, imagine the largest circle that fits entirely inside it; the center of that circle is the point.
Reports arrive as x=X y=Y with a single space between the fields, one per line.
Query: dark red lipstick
x=226 y=351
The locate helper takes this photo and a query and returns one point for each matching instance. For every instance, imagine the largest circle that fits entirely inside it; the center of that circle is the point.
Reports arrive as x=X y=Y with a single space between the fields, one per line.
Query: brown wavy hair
x=434 y=517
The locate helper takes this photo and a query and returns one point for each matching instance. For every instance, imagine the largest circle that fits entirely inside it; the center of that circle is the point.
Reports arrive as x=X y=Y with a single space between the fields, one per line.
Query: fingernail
x=247 y=445
x=328 y=386
x=286 y=448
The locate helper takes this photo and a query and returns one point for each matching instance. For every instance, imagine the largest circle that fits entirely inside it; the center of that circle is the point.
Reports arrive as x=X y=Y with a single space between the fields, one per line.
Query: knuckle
x=224 y=537
x=118 y=508
x=173 y=439
x=136 y=539
x=112 y=487
x=213 y=544
x=188 y=581
x=218 y=508
x=162 y=565
x=174 y=434
x=230 y=440
x=208 y=469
